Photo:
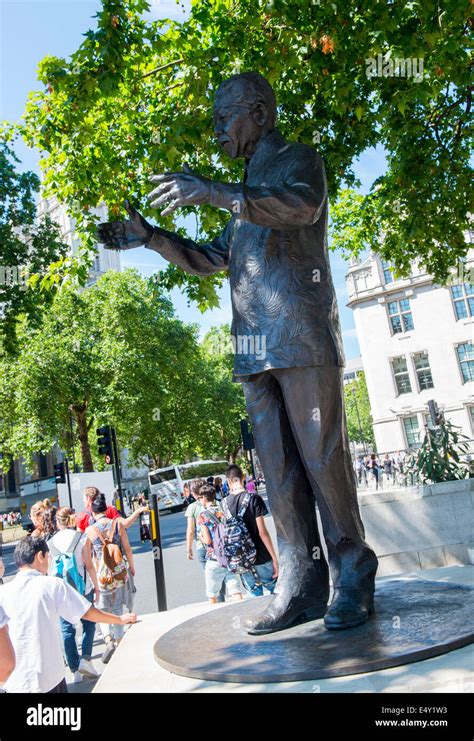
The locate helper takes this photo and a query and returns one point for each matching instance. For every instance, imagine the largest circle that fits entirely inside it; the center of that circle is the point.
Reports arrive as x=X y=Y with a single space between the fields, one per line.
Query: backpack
x=218 y=541
x=239 y=549
x=65 y=564
x=111 y=569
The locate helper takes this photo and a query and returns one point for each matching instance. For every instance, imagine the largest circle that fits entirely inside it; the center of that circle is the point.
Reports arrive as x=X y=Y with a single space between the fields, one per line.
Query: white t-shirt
x=3 y=618
x=62 y=540
x=33 y=604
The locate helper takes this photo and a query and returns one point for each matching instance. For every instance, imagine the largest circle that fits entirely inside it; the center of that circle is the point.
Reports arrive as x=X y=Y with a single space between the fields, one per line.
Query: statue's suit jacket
x=275 y=249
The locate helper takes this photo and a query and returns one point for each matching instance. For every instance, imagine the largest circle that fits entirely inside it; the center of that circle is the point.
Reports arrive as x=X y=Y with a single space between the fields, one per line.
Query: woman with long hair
x=37 y=512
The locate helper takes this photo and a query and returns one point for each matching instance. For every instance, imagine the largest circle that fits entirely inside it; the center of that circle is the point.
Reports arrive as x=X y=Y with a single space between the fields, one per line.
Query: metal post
x=68 y=481
x=157 y=554
x=117 y=470
x=72 y=444
x=252 y=466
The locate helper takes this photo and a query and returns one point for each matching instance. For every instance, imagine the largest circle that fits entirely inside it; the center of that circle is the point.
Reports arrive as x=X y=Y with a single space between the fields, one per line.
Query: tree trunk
x=233 y=454
x=83 y=435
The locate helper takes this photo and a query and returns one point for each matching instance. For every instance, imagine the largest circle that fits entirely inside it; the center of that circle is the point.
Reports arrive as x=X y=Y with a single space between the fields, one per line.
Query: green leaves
x=27 y=249
x=439 y=457
x=116 y=354
x=136 y=98
x=359 y=417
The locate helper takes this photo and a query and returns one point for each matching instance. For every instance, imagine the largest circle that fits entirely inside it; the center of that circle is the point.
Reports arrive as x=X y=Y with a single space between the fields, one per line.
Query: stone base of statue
x=413 y=620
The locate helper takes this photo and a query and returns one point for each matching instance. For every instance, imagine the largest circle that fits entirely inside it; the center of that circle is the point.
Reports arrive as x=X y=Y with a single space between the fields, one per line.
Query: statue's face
x=238 y=126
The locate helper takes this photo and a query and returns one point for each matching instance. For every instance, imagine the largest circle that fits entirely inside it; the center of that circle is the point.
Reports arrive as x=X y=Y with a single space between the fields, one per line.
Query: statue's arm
x=195 y=258
x=298 y=201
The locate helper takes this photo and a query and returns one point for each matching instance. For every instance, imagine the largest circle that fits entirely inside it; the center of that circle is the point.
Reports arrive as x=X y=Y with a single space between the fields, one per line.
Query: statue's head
x=244 y=112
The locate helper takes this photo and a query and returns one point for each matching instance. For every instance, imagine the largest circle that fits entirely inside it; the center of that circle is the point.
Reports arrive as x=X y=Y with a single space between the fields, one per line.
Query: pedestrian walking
x=113 y=561
x=373 y=467
x=84 y=519
x=71 y=559
x=193 y=531
x=387 y=466
x=251 y=508
x=216 y=574
x=33 y=602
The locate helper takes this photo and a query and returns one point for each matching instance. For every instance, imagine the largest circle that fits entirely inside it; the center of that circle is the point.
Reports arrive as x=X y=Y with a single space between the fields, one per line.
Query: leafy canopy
x=27 y=248
x=136 y=99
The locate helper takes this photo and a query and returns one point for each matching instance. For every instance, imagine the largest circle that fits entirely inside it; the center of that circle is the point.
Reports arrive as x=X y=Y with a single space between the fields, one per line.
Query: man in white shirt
x=7 y=654
x=33 y=605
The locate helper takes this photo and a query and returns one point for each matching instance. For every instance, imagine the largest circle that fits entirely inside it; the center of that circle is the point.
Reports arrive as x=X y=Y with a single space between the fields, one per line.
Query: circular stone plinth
x=413 y=620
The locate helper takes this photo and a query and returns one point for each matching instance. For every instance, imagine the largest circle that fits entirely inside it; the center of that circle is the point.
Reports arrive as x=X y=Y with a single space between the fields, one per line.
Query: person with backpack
x=113 y=561
x=33 y=602
x=84 y=519
x=71 y=560
x=212 y=533
x=250 y=507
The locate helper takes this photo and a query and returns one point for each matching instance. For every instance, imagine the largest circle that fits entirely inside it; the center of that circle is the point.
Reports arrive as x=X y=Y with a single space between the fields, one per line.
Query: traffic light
x=435 y=414
x=59 y=473
x=104 y=443
x=247 y=436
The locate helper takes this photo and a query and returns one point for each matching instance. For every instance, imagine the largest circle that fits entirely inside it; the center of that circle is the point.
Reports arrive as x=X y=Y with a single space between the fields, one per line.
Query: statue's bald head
x=244 y=112
x=250 y=88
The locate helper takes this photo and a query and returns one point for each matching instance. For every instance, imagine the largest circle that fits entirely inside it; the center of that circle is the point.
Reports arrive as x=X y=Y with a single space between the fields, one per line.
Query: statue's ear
x=260 y=114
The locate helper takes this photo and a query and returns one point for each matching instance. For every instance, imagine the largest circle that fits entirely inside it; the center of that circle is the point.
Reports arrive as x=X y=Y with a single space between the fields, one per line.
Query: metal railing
x=399 y=477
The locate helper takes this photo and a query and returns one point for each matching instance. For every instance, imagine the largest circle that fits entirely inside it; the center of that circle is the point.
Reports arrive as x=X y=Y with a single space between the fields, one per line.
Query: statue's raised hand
x=124 y=235
x=177 y=189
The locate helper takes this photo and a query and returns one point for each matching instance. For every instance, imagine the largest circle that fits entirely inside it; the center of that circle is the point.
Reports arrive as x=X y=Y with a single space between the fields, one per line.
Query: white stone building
x=416 y=342
x=104 y=260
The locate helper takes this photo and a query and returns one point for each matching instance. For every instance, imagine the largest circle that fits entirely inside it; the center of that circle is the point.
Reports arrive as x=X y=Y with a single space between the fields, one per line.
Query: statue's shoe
x=349 y=607
x=284 y=613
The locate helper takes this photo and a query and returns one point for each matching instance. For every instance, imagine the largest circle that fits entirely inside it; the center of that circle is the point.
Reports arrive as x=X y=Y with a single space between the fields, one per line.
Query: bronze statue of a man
x=289 y=354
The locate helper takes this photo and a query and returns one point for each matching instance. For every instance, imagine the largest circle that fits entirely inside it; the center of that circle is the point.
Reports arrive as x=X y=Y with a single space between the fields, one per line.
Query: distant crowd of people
x=372 y=468
x=10 y=519
x=90 y=571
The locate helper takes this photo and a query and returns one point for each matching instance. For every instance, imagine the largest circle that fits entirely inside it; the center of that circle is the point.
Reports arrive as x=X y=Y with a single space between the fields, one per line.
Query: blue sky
x=32 y=29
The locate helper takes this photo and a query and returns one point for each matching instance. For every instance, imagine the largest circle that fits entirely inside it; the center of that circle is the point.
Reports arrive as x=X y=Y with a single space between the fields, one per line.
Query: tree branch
x=162 y=67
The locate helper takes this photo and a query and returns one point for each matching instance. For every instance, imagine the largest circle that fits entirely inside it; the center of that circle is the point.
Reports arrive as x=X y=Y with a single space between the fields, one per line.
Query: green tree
x=114 y=354
x=27 y=248
x=225 y=403
x=442 y=455
x=136 y=98
x=359 y=418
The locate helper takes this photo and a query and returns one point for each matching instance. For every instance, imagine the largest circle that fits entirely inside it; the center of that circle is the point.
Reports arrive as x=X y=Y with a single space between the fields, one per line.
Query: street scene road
x=184 y=578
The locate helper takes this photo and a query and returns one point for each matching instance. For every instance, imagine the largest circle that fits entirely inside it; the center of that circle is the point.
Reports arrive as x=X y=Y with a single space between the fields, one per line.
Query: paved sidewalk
x=134 y=669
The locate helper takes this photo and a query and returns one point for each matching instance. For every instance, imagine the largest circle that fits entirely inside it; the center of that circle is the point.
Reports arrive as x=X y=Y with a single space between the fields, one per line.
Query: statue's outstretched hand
x=177 y=189
x=124 y=235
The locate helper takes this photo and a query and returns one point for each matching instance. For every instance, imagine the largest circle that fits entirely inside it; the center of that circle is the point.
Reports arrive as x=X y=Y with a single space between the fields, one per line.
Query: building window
x=400 y=316
x=400 y=373
x=463 y=300
x=387 y=273
x=465 y=353
x=412 y=431
x=471 y=418
x=423 y=370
